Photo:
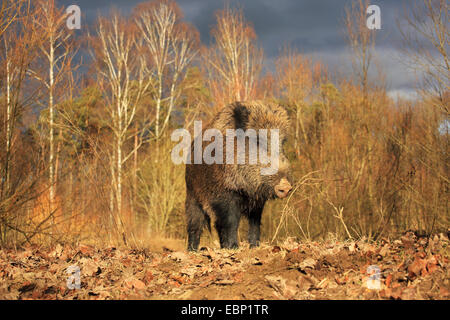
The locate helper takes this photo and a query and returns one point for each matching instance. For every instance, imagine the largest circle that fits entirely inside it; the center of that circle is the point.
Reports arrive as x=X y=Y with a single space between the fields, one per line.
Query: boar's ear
x=240 y=115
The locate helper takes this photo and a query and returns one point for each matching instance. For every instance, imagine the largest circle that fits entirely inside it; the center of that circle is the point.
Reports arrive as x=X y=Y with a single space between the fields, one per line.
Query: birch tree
x=171 y=46
x=57 y=53
x=425 y=32
x=122 y=79
x=17 y=52
x=9 y=12
x=234 y=61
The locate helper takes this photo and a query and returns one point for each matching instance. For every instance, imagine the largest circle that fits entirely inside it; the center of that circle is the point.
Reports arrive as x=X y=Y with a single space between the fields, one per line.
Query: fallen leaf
x=178 y=256
x=35 y=295
x=224 y=282
x=88 y=267
x=352 y=247
x=443 y=292
x=432 y=267
x=178 y=279
x=57 y=251
x=51 y=290
x=133 y=283
x=322 y=284
x=408 y=294
x=85 y=250
x=384 y=251
x=388 y=280
x=279 y=284
x=27 y=287
x=138 y=284
x=148 y=277
x=394 y=293
x=417 y=267
x=341 y=280
x=408 y=240
x=307 y=263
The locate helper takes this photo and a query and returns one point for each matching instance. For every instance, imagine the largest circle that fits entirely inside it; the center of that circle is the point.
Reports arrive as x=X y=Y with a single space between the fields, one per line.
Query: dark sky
x=315 y=27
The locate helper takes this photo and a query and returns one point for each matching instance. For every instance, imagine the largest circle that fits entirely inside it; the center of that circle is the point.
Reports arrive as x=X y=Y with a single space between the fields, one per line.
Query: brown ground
x=410 y=268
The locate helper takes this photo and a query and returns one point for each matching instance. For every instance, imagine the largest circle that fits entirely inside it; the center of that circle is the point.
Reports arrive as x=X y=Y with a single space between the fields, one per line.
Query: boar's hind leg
x=228 y=215
x=196 y=220
x=254 y=221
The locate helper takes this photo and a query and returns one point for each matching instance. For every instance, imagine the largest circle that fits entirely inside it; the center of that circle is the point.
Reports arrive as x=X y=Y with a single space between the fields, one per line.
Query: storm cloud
x=315 y=28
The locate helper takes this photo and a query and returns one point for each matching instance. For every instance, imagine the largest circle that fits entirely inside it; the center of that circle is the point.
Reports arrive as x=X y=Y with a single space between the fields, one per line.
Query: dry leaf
x=178 y=256
x=85 y=250
x=352 y=247
x=307 y=263
x=388 y=280
x=224 y=282
x=417 y=267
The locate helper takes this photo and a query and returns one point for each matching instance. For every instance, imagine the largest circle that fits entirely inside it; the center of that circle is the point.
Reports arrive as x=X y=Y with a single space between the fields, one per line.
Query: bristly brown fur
x=211 y=189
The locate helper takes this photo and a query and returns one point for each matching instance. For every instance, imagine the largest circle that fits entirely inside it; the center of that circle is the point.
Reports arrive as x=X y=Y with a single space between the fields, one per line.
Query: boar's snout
x=282 y=188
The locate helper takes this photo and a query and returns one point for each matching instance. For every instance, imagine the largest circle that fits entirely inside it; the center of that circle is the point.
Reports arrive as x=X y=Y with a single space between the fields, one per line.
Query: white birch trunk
x=51 y=125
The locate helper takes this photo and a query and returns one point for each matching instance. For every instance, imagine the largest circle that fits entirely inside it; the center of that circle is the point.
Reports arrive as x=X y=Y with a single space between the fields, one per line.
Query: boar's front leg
x=254 y=221
x=228 y=215
x=195 y=223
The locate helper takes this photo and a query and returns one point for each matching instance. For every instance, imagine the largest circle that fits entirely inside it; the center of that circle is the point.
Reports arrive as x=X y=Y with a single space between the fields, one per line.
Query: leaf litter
x=408 y=268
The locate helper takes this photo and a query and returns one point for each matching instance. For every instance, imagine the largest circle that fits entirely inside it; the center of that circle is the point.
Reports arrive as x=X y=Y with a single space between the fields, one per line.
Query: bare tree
x=18 y=51
x=9 y=12
x=171 y=46
x=234 y=61
x=424 y=27
x=425 y=31
x=57 y=53
x=20 y=166
x=296 y=77
x=362 y=41
x=121 y=78
x=184 y=45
